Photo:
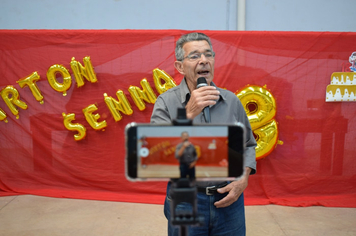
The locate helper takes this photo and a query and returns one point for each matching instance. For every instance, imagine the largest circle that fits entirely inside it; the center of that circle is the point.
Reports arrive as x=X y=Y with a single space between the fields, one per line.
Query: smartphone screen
x=199 y=151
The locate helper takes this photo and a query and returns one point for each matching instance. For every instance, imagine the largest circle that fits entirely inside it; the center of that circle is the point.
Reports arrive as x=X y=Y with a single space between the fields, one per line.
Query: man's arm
x=180 y=149
x=250 y=152
x=236 y=188
x=195 y=158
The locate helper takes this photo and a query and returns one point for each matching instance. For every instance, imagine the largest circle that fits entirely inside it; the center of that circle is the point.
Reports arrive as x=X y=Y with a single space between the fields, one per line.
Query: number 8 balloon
x=261 y=109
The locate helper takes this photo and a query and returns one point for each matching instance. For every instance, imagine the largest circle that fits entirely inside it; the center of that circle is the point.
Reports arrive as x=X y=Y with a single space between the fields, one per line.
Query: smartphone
x=152 y=151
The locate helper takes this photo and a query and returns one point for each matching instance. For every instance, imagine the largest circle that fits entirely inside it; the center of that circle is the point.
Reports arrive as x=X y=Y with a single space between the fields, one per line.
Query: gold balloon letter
x=158 y=76
x=3 y=116
x=12 y=98
x=30 y=81
x=80 y=71
x=52 y=80
x=260 y=107
x=67 y=119
x=93 y=119
x=145 y=94
x=115 y=106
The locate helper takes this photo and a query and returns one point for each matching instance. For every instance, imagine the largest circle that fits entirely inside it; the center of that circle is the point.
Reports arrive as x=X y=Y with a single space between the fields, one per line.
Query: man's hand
x=200 y=98
x=234 y=189
x=191 y=165
x=186 y=144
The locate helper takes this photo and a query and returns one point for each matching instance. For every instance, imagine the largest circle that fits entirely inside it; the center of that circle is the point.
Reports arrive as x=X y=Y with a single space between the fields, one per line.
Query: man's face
x=185 y=137
x=193 y=69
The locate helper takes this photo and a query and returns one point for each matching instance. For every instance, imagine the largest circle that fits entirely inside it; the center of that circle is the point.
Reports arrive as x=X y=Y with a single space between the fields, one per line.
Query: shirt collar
x=185 y=94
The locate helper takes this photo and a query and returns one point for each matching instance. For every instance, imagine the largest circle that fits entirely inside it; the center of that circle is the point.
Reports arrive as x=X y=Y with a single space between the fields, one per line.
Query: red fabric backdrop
x=315 y=165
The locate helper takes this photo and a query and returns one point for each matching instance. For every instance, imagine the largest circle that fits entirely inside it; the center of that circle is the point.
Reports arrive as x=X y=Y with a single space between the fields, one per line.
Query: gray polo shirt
x=189 y=154
x=228 y=110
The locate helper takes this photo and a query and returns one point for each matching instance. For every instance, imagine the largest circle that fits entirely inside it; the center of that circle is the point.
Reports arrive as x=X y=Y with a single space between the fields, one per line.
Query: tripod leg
x=183 y=230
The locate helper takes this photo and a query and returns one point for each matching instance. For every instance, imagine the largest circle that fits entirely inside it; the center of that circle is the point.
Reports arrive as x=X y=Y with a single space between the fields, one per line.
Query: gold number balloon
x=267 y=138
x=261 y=108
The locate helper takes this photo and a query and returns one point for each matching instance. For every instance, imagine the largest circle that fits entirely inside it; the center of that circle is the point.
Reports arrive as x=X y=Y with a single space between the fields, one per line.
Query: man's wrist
x=246 y=174
x=248 y=170
x=189 y=116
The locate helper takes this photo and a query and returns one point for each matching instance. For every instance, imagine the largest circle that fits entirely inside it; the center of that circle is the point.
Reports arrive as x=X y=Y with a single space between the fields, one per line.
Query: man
x=221 y=203
x=187 y=156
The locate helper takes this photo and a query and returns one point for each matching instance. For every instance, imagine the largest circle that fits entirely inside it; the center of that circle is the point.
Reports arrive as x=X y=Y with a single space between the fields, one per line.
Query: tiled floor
x=29 y=215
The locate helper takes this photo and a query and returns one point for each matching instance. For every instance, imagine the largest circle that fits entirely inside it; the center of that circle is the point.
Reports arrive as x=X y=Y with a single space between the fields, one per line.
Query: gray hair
x=189 y=38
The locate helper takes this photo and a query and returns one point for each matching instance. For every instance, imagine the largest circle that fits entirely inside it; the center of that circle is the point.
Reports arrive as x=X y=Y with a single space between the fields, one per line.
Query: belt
x=211 y=190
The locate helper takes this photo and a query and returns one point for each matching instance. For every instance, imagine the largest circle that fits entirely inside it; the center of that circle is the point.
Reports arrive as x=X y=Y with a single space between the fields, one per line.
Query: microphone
x=201 y=82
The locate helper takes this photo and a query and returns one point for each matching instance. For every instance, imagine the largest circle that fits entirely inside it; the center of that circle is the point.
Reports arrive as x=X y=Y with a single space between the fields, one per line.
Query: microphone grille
x=201 y=82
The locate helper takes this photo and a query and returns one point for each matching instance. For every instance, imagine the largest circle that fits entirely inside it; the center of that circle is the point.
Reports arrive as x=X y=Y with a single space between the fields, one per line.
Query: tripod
x=184 y=191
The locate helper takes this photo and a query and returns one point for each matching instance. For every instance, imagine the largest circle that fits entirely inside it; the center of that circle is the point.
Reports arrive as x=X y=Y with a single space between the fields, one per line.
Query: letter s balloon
x=67 y=121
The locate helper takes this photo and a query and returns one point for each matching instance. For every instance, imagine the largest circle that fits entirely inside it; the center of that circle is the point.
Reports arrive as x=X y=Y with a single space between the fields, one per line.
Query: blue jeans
x=228 y=221
x=186 y=172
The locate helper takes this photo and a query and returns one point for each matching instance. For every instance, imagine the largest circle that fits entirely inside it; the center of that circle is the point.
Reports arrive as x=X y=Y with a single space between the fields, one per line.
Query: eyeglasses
x=197 y=55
